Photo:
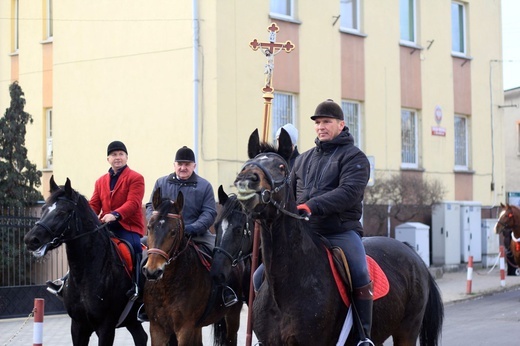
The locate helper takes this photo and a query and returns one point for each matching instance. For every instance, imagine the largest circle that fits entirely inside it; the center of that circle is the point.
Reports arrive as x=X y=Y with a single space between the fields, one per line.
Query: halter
x=278 y=185
x=173 y=252
x=512 y=227
x=238 y=257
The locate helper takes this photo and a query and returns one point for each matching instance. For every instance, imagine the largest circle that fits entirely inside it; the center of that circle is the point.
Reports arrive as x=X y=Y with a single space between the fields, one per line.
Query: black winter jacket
x=331 y=179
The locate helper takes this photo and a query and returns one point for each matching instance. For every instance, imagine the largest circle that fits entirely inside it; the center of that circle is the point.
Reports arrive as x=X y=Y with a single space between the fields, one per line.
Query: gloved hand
x=304 y=210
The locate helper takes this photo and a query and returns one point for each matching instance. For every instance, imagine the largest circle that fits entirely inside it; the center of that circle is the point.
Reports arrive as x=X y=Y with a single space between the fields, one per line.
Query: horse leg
x=106 y=335
x=80 y=333
x=158 y=335
x=190 y=337
x=138 y=334
x=232 y=325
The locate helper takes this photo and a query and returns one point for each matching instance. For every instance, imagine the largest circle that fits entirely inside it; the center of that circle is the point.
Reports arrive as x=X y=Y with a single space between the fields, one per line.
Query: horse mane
x=76 y=197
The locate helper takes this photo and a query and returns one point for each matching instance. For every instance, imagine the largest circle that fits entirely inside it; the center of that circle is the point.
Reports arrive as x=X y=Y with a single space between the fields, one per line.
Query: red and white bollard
x=470 y=275
x=502 y=267
x=39 y=309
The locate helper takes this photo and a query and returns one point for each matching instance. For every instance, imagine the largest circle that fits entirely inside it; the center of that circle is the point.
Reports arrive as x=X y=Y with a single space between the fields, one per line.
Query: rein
x=173 y=252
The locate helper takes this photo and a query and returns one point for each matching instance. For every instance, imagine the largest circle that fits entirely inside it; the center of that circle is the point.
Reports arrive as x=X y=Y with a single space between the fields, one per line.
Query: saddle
x=126 y=253
x=340 y=270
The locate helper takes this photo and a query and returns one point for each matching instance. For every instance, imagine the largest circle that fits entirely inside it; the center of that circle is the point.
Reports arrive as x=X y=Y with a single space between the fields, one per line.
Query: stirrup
x=365 y=342
x=142 y=316
x=230 y=298
x=55 y=287
x=133 y=293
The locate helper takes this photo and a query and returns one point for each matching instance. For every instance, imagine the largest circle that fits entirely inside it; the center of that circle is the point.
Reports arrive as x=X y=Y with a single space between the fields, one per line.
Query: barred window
x=352 y=113
x=409 y=139
x=461 y=142
x=283 y=112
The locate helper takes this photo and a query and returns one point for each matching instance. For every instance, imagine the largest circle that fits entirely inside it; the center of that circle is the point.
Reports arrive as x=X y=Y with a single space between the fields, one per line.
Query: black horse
x=299 y=293
x=95 y=291
x=233 y=245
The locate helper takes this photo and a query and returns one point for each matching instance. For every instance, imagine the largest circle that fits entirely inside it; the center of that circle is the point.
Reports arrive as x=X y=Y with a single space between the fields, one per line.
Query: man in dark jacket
x=329 y=181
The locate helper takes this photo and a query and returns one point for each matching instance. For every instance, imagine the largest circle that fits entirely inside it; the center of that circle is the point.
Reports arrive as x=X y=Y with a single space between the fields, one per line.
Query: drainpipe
x=196 y=80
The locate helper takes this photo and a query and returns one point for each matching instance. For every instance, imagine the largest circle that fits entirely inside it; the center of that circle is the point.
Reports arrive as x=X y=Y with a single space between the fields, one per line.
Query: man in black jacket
x=329 y=181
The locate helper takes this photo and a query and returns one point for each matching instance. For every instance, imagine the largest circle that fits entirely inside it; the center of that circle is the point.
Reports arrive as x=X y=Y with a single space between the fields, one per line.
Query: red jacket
x=126 y=199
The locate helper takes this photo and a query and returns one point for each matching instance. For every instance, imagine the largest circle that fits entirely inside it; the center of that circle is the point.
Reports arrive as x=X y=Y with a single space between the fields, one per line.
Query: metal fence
x=17 y=266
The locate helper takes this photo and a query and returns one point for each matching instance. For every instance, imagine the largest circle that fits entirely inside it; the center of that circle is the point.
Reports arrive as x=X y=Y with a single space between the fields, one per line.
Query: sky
x=511 y=43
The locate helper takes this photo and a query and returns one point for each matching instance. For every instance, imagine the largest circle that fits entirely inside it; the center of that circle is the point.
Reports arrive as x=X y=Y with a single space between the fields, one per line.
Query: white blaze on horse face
x=499 y=218
x=161 y=222
x=52 y=208
x=224 y=225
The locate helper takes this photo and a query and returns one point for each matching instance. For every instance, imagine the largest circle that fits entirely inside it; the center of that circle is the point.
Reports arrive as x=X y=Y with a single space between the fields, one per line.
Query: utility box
x=471 y=236
x=446 y=233
x=490 y=242
x=418 y=236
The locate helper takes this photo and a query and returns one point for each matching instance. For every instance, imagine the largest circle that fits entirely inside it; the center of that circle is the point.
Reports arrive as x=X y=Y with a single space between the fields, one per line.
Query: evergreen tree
x=19 y=178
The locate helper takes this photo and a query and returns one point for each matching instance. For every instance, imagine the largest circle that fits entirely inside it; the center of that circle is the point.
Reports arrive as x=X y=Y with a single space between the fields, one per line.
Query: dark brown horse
x=299 y=293
x=95 y=291
x=509 y=225
x=179 y=284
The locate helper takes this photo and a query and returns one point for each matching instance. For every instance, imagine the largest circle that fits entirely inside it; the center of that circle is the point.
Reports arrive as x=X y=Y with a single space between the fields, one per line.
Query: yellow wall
x=124 y=70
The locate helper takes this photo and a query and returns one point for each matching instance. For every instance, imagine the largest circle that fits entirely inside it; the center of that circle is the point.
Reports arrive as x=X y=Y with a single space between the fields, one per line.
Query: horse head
x=508 y=220
x=165 y=234
x=234 y=242
x=58 y=222
x=264 y=178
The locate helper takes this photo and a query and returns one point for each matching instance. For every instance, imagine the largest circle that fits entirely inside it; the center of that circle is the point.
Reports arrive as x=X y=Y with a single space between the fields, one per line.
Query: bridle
x=173 y=252
x=66 y=225
x=510 y=227
x=276 y=185
x=239 y=255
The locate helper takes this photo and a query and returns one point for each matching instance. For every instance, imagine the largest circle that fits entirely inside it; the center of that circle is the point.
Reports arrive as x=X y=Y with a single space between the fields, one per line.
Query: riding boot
x=56 y=287
x=363 y=301
x=229 y=296
x=136 y=292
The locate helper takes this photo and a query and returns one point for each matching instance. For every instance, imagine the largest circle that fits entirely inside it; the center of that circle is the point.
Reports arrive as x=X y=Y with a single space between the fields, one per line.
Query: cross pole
x=269 y=49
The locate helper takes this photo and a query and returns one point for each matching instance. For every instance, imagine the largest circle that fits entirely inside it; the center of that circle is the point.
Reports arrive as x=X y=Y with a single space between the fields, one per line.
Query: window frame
x=461 y=29
x=49 y=20
x=355 y=125
x=279 y=121
x=413 y=142
x=273 y=9
x=16 y=26
x=411 y=23
x=457 y=150
x=348 y=12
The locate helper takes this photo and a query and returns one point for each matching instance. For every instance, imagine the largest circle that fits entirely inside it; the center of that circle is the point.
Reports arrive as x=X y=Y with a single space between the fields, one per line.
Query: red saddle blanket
x=381 y=286
x=125 y=254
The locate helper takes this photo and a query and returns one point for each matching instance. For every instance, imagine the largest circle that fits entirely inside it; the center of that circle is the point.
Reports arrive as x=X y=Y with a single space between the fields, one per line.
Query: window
x=458 y=28
x=351 y=110
x=407 y=20
x=461 y=142
x=49 y=20
x=16 y=26
x=409 y=139
x=283 y=112
x=349 y=15
x=284 y=8
x=48 y=131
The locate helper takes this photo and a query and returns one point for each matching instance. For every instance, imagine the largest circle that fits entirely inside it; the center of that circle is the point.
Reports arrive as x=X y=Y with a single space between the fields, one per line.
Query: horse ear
x=253 y=146
x=52 y=183
x=180 y=201
x=68 y=188
x=222 y=196
x=502 y=205
x=285 y=148
x=156 y=199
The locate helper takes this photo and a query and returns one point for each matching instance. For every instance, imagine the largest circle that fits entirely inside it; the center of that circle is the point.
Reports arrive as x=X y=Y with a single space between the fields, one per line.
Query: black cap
x=116 y=145
x=185 y=154
x=328 y=109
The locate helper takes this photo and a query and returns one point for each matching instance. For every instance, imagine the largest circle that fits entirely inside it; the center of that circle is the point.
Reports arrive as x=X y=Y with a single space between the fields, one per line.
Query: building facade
x=511 y=125
x=420 y=83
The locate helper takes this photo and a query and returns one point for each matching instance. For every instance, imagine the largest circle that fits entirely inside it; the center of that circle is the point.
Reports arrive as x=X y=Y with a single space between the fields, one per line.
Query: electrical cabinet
x=417 y=235
x=471 y=236
x=446 y=233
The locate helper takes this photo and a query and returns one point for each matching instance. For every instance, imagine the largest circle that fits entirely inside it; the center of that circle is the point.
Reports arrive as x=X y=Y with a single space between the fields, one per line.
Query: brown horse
x=179 y=284
x=299 y=296
x=509 y=225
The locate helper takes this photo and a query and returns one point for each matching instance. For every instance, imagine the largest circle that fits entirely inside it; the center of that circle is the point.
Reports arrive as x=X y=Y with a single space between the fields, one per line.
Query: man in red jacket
x=117 y=200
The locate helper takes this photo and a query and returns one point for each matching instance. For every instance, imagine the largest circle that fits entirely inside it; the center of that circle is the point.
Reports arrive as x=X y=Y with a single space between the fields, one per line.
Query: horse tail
x=220 y=333
x=433 y=316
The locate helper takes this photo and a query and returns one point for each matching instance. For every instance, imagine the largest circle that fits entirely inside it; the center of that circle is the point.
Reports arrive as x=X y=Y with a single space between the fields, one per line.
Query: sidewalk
x=56 y=329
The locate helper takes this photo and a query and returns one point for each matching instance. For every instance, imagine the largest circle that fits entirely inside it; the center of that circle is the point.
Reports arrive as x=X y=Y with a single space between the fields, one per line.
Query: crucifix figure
x=270 y=49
